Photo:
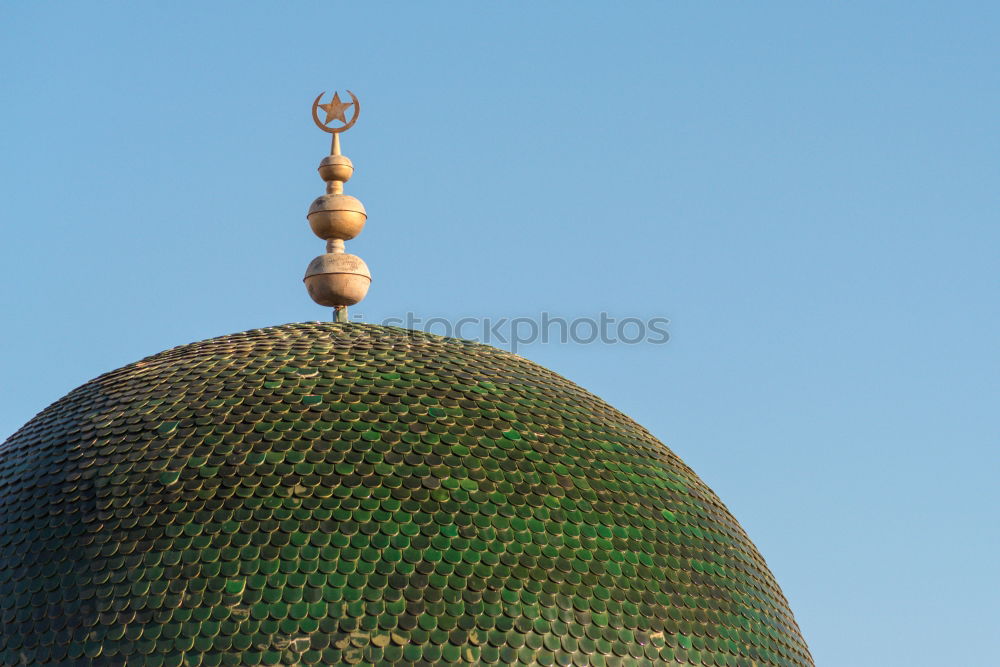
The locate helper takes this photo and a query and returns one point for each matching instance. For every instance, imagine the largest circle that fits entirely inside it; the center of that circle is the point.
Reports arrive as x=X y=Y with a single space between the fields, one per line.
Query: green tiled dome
x=341 y=493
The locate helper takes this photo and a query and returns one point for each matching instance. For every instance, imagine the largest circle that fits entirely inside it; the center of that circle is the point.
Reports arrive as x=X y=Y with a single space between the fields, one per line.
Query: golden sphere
x=336 y=168
x=337 y=279
x=337 y=216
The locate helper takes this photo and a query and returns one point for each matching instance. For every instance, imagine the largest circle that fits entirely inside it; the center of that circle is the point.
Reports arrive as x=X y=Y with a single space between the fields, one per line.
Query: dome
x=329 y=493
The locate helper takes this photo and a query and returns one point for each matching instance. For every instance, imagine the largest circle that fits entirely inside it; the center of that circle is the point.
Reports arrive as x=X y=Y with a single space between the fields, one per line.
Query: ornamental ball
x=336 y=168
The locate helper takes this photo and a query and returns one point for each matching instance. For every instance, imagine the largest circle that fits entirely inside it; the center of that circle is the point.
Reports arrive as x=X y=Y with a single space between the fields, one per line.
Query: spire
x=335 y=278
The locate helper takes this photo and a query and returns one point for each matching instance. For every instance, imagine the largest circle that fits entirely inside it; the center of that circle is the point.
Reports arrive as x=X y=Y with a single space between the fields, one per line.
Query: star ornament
x=335 y=109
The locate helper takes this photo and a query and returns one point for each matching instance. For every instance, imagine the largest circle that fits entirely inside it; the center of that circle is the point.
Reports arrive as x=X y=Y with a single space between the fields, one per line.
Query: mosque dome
x=342 y=493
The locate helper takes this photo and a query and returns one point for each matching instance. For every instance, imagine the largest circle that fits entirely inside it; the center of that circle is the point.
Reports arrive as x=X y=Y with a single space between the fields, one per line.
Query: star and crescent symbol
x=334 y=110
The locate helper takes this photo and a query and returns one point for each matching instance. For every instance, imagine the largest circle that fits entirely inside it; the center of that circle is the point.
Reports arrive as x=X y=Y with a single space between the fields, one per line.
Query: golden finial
x=335 y=278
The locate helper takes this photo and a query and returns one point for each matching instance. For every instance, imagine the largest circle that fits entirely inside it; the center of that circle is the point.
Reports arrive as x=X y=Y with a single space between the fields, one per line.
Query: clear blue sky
x=809 y=191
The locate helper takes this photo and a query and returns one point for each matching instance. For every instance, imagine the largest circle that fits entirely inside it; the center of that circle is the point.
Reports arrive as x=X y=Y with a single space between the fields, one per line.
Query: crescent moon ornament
x=335 y=111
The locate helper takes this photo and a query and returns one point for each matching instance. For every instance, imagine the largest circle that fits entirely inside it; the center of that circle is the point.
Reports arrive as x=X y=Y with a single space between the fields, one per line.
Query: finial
x=335 y=278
